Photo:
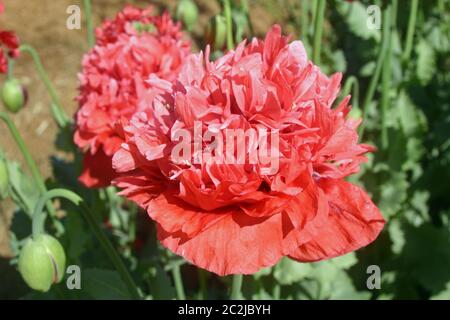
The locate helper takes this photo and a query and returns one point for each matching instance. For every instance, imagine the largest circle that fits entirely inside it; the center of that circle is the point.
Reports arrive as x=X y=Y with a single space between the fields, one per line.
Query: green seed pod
x=13 y=95
x=187 y=12
x=216 y=32
x=42 y=262
x=4 y=177
x=355 y=113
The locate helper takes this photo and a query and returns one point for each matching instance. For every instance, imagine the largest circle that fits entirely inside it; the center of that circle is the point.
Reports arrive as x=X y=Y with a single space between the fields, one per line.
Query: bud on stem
x=42 y=262
x=187 y=12
x=13 y=95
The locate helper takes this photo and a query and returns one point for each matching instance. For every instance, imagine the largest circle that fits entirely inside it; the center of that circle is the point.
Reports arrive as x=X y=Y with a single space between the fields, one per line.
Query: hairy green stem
x=39 y=217
x=89 y=23
x=386 y=77
x=236 y=286
x=376 y=75
x=304 y=20
x=352 y=85
x=37 y=177
x=318 y=25
x=246 y=9
x=411 y=29
x=60 y=117
x=176 y=272
x=229 y=24
x=10 y=74
x=203 y=294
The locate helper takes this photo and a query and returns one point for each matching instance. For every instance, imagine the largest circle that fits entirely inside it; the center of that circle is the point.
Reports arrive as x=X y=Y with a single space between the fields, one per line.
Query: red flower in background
x=113 y=82
x=238 y=218
x=10 y=42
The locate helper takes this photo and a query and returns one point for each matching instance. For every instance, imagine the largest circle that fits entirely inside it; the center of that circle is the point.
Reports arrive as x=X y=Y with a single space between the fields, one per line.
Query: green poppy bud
x=13 y=95
x=355 y=113
x=187 y=12
x=216 y=32
x=42 y=262
x=4 y=177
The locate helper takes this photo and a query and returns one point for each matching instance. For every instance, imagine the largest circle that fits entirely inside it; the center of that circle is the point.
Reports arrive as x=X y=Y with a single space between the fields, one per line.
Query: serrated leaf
x=345 y=261
x=397 y=235
x=409 y=116
x=75 y=237
x=393 y=194
x=289 y=271
x=426 y=62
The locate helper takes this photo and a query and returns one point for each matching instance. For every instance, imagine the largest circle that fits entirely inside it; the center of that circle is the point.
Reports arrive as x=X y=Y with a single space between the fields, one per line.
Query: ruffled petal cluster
x=9 y=45
x=129 y=48
x=237 y=217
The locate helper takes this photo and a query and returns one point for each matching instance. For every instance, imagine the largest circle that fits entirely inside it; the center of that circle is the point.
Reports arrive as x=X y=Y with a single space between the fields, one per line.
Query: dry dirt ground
x=42 y=23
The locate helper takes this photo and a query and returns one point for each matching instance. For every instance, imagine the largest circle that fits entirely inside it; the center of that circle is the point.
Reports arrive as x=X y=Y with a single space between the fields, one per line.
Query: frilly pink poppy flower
x=113 y=82
x=235 y=218
x=8 y=41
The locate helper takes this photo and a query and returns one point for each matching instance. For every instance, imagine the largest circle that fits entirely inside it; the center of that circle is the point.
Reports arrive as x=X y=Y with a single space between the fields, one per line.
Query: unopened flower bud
x=187 y=12
x=216 y=32
x=42 y=262
x=14 y=95
x=355 y=113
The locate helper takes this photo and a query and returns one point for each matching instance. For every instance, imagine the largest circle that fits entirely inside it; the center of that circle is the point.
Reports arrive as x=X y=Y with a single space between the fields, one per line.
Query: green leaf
x=393 y=194
x=356 y=17
x=443 y=295
x=345 y=261
x=24 y=192
x=288 y=271
x=103 y=284
x=160 y=284
x=426 y=256
x=426 y=62
x=397 y=235
x=343 y=288
x=409 y=116
x=262 y=273
x=75 y=238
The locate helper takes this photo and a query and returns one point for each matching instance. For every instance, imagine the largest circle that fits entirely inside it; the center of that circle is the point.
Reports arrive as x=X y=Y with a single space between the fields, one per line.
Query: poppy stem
x=202 y=284
x=39 y=217
x=37 y=177
x=10 y=74
x=229 y=24
x=386 y=78
x=177 y=279
x=89 y=22
x=376 y=75
x=318 y=25
x=304 y=20
x=246 y=9
x=58 y=112
x=236 y=286
x=411 y=29
x=352 y=85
